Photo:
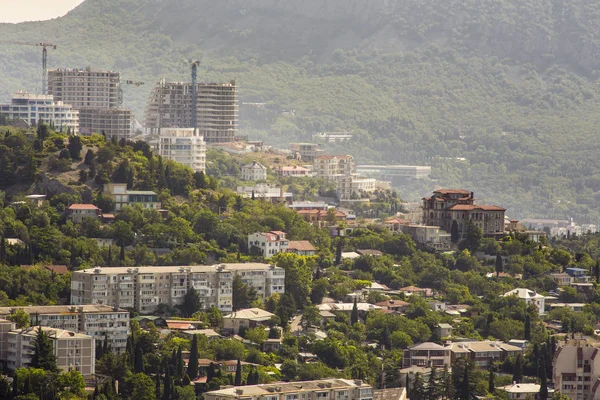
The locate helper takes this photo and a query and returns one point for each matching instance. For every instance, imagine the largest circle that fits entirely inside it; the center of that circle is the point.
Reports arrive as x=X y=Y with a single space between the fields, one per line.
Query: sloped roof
x=471 y=207
x=255 y=314
x=427 y=346
x=301 y=245
x=83 y=207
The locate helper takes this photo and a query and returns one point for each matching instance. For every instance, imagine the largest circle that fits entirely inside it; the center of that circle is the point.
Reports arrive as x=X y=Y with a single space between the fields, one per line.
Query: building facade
x=332 y=168
x=530 y=297
x=100 y=322
x=306 y=151
x=324 y=389
x=254 y=172
x=73 y=351
x=123 y=197
x=83 y=88
x=249 y=318
x=576 y=369
x=294 y=171
x=144 y=288
x=351 y=186
x=78 y=212
x=267 y=244
x=217 y=113
x=184 y=146
x=35 y=107
x=111 y=122
x=448 y=205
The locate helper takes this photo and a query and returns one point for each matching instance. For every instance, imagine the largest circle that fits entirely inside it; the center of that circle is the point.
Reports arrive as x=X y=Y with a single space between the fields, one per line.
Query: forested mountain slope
x=510 y=85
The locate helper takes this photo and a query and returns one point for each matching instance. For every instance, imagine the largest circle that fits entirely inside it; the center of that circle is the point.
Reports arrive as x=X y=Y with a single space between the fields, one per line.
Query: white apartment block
x=111 y=122
x=217 y=113
x=35 y=107
x=85 y=87
x=144 y=288
x=352 y=186
x=331 y=168
x=323 y=389
x=184 y=146
x=100 y=322
x=73 y=351
x=254 y=172
x=268 y=244
x=576 y=369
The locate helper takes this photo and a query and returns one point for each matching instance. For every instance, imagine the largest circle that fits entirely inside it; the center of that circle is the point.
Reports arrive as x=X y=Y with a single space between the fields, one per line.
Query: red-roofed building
x=448 y=205
x=294 y=171
x=321 y=218
x=267 y=244
x=78 y=212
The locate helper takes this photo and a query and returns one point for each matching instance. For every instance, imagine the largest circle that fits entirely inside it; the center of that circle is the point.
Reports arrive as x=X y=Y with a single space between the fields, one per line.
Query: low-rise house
x=36 y=199
x=562 y=279
x=579 y=275
x=302 y=248
x=413 y=290
x=157 y=321
x=395 y=224
x=529 y=296
x=438 y=306
x=426 y=354
x=294 y=171
x=272 y=345
x=14 y=242
x=369 y=252
x=483 y=353
x=398 y=306
x=104 y=242
x=78 y=212
x=443 y=330
x=267 y=244
x=230 y=366
x=520 y=343
x=249 y=318
x=350 y=255
x=254 y=172
x=576 y=307
x=521 y=390
x=432 y=236
x=180 y=325
x=347 y=307
x=322 y=218
x=124 y=197
x=209 y=333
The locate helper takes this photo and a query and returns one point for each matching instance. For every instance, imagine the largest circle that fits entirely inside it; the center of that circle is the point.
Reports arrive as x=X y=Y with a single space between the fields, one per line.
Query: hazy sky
x=34 y=10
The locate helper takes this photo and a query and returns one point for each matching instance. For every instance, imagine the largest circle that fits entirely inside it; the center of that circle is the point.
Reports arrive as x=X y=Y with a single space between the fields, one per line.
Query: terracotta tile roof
x=397 y=221
x=393 y=303
x=108 y=216
x=294 y=168
x=301 y=245
x=452 y=191
x=183 y=325
x=83 y=207
x=471 y=207
x=58 y=269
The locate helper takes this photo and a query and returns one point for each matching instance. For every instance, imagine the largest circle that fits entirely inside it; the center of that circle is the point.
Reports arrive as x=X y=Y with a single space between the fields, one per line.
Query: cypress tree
x=354 y=315
x=454 y=234
x=2 y=248
x=238 y=373
x=157 y=385
x=518 y=369
x=543 y=395
x=465 y=387
x=167 y=385
x=499 y=264
x=210 y=373
x=15 y=387
x=491 y=386
x=179 y=366
x=138 y=365
x=597 y=271
x=192 y=369
x=527 y=327
x=95 y=395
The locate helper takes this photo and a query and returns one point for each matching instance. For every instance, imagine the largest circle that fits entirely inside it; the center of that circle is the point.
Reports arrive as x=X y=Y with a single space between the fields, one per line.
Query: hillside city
x=177 y=259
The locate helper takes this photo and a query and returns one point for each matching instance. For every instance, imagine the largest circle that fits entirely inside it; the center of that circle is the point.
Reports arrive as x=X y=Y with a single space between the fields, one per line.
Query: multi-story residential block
x=111 y=122
x=267 y=244
x=427 y=354
x=170 y=106
x=306 y=151
x=352 y=186
x=432 y=236
x=483 y=353
x=409 y=172
x=331 y=168
x=249 y=318
x=324 y=389
x=144 y=288
x=254 y=172
x=123 y=197
x=72 y=350
x=529 y=297
x=576 y=369
x=100 y=322
x=78 y=212
x=448 y=205
x=85 y=87
x=184 y=146
x=33 y=108
x=579 y=275
x=332 y=137
x=6 y=327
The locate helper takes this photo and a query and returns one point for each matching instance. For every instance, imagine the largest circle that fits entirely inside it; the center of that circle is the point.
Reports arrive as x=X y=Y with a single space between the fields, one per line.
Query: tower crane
x=44 y=47
x=194 y=93
x=127 y=82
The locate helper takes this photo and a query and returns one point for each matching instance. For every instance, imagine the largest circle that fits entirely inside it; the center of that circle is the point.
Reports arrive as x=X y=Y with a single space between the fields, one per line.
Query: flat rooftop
x=175 y=268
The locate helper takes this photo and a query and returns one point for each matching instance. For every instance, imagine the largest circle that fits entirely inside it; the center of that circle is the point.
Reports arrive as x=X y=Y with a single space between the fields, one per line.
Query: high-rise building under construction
x=170 y=106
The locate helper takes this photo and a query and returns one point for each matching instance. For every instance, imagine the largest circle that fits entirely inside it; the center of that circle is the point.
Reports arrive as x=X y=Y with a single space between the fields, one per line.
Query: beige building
x=254 y=172
x=184 y=146
x=448 y=205
x=6 y=327
x=350 y=186
x=85 y=87
x=123 y=197
x=78 y=212
x=100 y=322
x=249 y=318
x=306 y=151
x=324 y=389
x=32 y=108
x=144 y=288
x=431 y=236
x=267 y=244
x=427 y=354
x=576 y=369
x=73 y=351
x=331 y=168
x=112 y=122
x=170 y=103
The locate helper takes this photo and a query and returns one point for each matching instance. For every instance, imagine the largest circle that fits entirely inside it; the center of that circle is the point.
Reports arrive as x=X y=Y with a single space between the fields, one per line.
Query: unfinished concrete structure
x=113 y=122
x=85 y=87
x=170 y=106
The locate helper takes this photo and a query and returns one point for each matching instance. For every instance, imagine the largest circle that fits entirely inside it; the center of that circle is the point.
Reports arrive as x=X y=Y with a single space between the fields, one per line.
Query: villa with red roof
x=448 y=205
x=78 y=212
x=267 y=244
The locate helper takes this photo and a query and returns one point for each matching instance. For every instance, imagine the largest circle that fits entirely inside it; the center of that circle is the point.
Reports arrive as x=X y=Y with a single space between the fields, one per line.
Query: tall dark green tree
x=432 y=385
x=242 y=294
x=597 y=271
x=354 y=314
x=192 y=370
x=491 y=383
x=191 y=303
x=417 y=391
x=75 y=146
x=454 y=234
x=543 y=395
x=179 y=366
x=499 y=264
x=138 y=363
x=210 y=372
x=238 y=373
x=465 y=392
x=43 y=352
x=527 y=327
x=518 y=369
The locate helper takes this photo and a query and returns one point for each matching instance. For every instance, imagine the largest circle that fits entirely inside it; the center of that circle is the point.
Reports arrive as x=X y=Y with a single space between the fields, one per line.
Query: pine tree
x=2 y=248
x=432 y=385
x=499 y=264
x=43 y=352
x=130 y=179
x=210 y=373
x=15 y=387
x=527 y=327
x=518 y=369
x=418 y=388
x=446 y=389
x=491 y=377
x=465 y=393
x=192 y=369
x=354 y=315
x=597 y=271
x=238 y=373
x=339 y=247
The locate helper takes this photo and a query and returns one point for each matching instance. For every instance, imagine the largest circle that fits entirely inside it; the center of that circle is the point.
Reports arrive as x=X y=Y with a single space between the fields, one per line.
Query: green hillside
x=510 y=85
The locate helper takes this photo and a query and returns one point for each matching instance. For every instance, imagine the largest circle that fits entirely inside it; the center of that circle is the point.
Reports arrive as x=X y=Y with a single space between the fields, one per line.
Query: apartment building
x=123 y=197
x=331 y=168
x=98 y=321
x=483 y=353
x=267 y=244
x=323 y=389
x=249 y=318
x=85 y=87
x=184 y=146
x=111 y=122
x=73 y=351
x=448 y=205
x=576 y=368
x=254 y=172
x=352 y=186
x=426 y=354
x=144 y=288
x=32 y=108
x=6 y=327
x=217 y=113
x=306 y=151
x=78 y=212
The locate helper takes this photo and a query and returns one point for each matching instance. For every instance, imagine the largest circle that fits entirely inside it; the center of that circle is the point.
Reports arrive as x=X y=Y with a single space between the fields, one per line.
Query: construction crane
x=194 y=93
x=127 y=82
x=44 y=47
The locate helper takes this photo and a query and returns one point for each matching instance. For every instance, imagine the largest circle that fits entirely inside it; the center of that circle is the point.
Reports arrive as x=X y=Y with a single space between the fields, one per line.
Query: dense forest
x=500 y=97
